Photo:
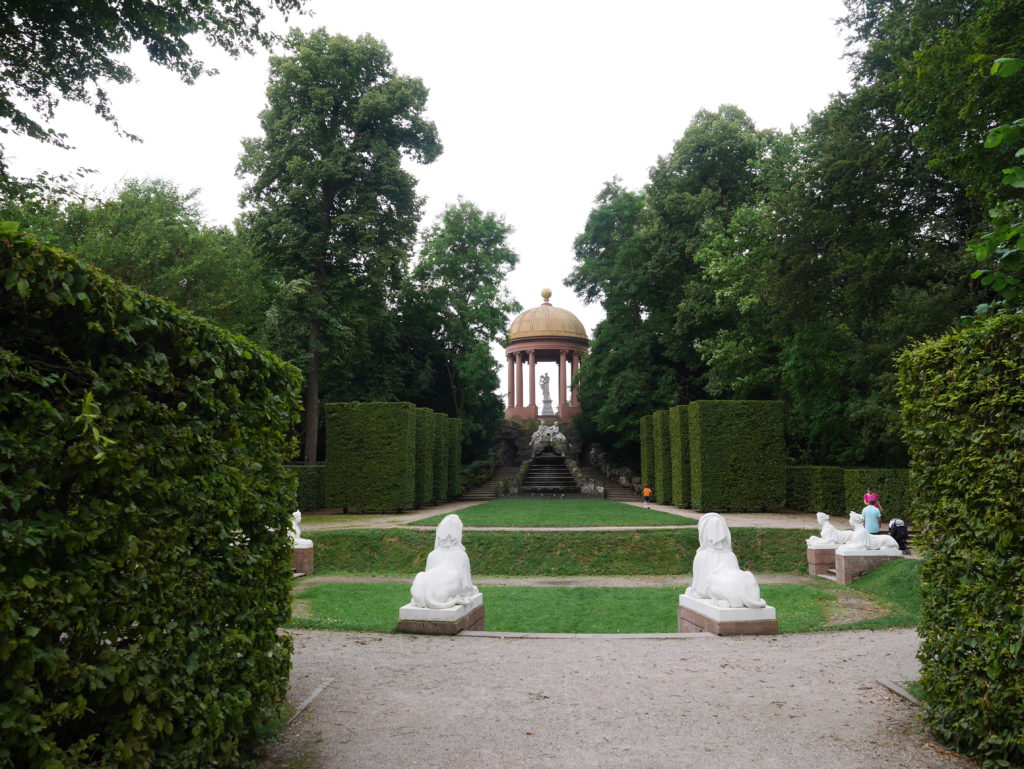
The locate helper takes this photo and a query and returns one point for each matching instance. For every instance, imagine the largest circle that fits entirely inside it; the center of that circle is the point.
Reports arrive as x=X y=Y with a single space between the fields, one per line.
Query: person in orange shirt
x=647 y=497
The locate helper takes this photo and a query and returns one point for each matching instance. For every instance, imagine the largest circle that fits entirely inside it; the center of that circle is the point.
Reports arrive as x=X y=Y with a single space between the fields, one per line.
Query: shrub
x=310 y=495
x=441 y=457
x=371 y=456
x=144 y=510
x=815 y=488
x=737 y=455
x=892 y=487
x=963 y=412
x=662 y=457
x=424 y=464
x=454 y=457
x=647 y=451
x=679 y=444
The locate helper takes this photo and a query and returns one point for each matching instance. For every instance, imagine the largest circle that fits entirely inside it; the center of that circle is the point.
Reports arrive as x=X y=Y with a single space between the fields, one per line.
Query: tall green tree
x=63 y=50
x=454 y=307
x=330 y=205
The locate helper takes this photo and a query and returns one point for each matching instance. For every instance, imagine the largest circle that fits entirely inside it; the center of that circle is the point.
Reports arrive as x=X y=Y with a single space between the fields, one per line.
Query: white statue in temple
x=447 y=581
x=297 y=539
x=862 y=540
x=717 y=576
x=545 y=392
x=830 y=535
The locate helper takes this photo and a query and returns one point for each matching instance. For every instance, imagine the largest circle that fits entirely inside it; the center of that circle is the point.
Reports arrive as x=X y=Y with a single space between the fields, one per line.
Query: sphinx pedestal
x=302 y=560
x=701 y=616
x=821 y=558
x=413 y=619
x=851 y=564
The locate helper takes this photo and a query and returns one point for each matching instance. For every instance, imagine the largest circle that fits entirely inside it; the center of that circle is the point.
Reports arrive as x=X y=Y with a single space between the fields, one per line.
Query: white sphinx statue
x=861 y=540
x=297 y=539
x=447 y=582
x=830 y=535
x=716 y=572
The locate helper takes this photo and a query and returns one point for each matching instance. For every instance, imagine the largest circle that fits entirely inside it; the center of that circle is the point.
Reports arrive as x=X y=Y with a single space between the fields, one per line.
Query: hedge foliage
x=662 y=457
x=441 y=457
x=144 y=510
x=679 y=445
x=310 y=494
x=647 y=451
x=370 y=456
x=454 y=457
x=816 y=488
x=963 y=412
x=737 y=455
x=892 y=487
x=424 y=457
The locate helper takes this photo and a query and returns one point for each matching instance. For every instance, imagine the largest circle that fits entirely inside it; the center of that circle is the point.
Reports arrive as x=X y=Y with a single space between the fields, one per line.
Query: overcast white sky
x=537 y=104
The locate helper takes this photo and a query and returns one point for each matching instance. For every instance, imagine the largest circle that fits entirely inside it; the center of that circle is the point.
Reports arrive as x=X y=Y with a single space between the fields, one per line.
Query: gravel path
x=769 y=702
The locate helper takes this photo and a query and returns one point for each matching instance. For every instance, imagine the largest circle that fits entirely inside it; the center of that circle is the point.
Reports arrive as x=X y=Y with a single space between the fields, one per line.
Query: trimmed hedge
x=679 y=442
x=441 y=458
x=662 y=457
x=892 y=487
x=454 y=457
x=737 y=455
x=144 y=511
x=424 y=456
x=647 y=452
x=963 y=413
x=310 y=495
x=371 y=456
x=815 y=488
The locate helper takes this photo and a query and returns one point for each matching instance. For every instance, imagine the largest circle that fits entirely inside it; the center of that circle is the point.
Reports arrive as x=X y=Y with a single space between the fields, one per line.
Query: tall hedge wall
x=647 y=451
x=144 y=510
x=440 y=430
x=310 y=494
x=424 y=456
x=737 y=455
x=679 y=442
x=371 y=456
x=662 y=457
x=892 y=487
x=815 y=488
x=963 y=412
x=454 y=457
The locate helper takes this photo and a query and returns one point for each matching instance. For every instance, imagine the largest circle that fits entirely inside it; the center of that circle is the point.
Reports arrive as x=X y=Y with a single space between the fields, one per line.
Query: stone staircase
x=489 y=489
x=612 y=490
x=548 y=475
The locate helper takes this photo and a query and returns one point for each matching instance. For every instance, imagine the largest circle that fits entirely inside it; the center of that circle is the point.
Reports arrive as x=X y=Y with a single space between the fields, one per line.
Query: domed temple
x=540 y=335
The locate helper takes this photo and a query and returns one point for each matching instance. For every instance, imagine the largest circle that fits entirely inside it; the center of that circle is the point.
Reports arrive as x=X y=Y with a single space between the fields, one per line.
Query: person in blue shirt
x=872 y=517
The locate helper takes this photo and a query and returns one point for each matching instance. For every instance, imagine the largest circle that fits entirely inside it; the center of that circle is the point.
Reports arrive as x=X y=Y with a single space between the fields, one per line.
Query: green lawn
x=800 y=608
x=560 y=512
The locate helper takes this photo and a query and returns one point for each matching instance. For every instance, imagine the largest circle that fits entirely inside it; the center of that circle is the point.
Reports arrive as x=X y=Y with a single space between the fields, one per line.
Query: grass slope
x=561 y=512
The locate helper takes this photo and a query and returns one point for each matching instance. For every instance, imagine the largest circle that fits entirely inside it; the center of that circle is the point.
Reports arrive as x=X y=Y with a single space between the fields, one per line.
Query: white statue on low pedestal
x=297 y=539
x=717 y=576
x=861 y=540
x=447 y=582
x=830 y=535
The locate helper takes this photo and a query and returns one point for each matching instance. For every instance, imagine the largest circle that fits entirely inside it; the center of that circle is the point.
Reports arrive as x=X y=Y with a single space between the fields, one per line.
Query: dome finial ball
x=546 y=293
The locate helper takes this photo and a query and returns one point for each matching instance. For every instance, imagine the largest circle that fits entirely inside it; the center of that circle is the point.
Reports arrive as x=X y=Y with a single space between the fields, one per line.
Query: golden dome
x=546 y=320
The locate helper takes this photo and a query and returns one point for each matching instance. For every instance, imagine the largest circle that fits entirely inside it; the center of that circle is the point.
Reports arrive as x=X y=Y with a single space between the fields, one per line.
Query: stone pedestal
x=820 y=559
x=302 y=560
x=546 y=410
x=412 y=619
x=851 y=564
x=700 y=616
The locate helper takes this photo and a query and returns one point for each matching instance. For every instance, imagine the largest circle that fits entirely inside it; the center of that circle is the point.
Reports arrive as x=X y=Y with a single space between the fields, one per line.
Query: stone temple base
x=700 y=616
x=856 y=563
x=412 y=619
x=821 y=559
x=302 y=560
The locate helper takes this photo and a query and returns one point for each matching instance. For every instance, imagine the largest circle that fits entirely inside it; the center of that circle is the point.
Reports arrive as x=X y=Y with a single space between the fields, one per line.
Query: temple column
x=511 y=380
x=572 y=379
x=561 y=381
x=533 y=379
x=519 y=380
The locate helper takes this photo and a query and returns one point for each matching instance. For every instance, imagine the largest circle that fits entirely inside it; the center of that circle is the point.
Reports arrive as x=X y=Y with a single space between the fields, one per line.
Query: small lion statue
x=716 y=571
x=861 y=540
x=447 y=582
x=829 y=533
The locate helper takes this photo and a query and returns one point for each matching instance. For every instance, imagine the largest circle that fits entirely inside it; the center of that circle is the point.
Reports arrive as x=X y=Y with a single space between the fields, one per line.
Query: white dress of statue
x=296 y=535
x=717 y=576
x=447 y=582
x=861 y=540
x=830 y=535
x=545 y=392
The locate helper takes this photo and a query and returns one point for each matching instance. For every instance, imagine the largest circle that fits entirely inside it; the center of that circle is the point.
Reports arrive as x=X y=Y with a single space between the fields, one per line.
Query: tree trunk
x=312 y=399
